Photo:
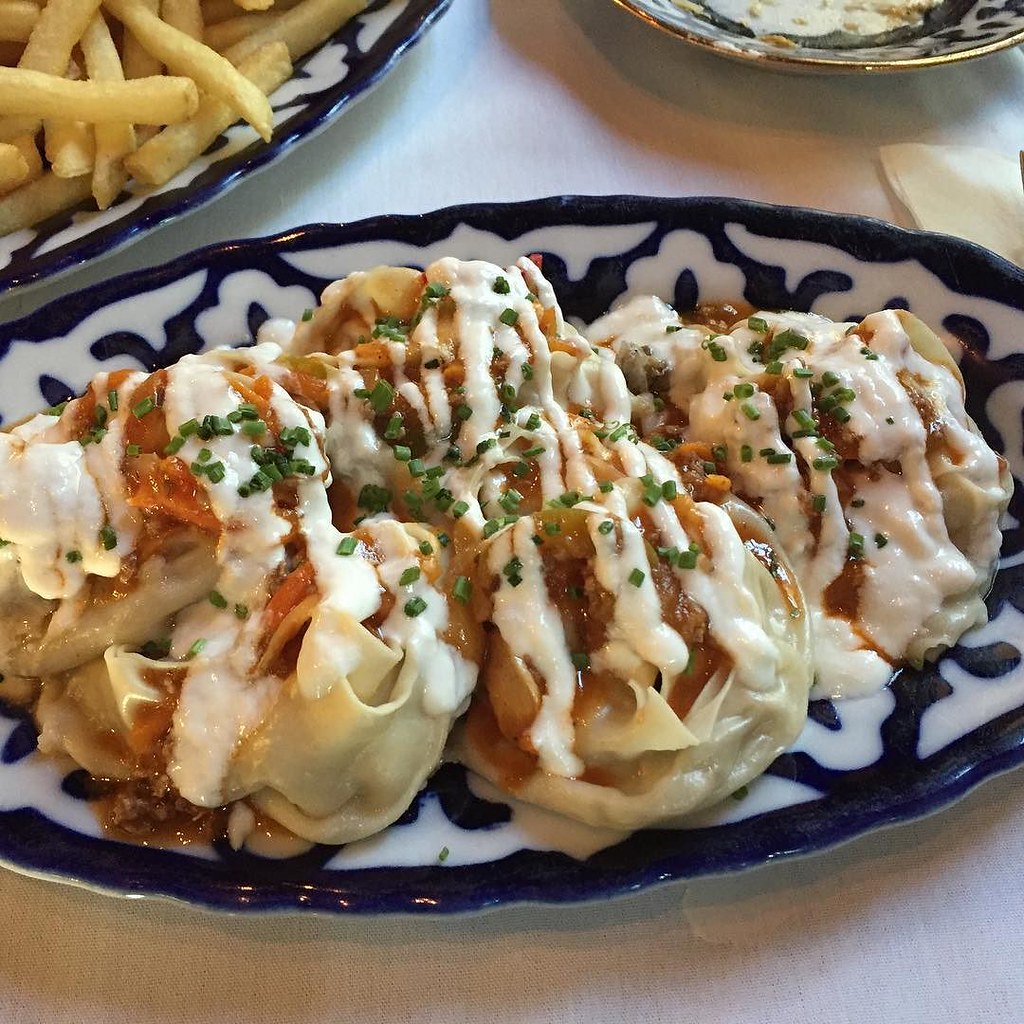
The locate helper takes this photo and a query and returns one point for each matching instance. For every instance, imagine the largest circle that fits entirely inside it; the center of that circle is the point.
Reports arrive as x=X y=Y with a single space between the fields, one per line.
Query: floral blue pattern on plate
x=910 y=750
x=324 y=83
x=954 y=30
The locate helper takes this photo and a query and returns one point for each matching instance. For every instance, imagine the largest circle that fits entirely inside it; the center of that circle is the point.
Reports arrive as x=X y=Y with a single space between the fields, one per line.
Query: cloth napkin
x=961 y=190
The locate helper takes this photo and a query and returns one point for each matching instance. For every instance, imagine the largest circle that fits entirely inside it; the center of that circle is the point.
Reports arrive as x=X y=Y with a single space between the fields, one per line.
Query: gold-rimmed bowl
x=952 y=31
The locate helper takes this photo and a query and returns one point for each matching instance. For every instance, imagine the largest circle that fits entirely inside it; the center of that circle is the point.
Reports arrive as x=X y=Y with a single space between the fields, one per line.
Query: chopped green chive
x=501 y=286
x=757 y=324
x=510 y=500
x=112 y=400
x=749 y=411
x=426 y=548
x=552 y=529
x=855 y=545
x=533 y=423
x=802 y=372
x=394 y=429
x=459 y=509
x=606 y=486
x=307 y=315
x=217 y=599
x=606 y=527
x=382 y=395
x=415 y=606
x=746 y=453
x=108 y=538
x=402 y=453
x=374 y=498
x=744 y=389
x=74 y=556
x=463 y=411
x=410 y=576
x=143 y=408
x=779 y=458
x=669 y=490
x=825 y=462
x=637 y=576
x=462 y=589
x=195 y=649
x=509 y=317
x=818 y=503
x=881 y=540
x=241 y=611
x=532 y=453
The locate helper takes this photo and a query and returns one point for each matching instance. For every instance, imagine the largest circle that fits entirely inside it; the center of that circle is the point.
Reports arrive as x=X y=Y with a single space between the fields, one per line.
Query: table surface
x=515 y=99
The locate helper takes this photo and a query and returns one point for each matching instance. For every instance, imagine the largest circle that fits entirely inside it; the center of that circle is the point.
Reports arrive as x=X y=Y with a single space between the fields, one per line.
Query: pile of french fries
x=94 y=92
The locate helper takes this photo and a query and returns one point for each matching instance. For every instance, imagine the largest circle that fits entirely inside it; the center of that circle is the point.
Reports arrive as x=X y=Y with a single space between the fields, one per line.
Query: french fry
x=13 y=167
x=17 y=19
x=27 y=145
x=137 y=63
x=40 y=199
x=184 y=15
x=113 y=141
x=226 y=33
x=59 y=27
x=70 y=147
x=186 y=56
x=302 y=28
x=255 y=5
x=163 y=100
x=178 y=145
x=221 y=10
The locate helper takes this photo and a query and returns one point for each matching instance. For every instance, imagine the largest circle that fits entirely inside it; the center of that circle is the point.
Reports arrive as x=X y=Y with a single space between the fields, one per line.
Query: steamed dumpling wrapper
x=854 y=441
x=299 y=665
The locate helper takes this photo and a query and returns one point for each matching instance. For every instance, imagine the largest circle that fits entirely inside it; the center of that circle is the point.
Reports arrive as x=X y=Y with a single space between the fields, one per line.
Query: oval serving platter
x=324 y=83
x=858 y=766
x=952 y=31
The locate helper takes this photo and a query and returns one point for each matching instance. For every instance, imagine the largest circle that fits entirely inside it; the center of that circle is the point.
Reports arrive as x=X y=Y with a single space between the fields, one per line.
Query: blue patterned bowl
x=908 y=751
x=324 y=83
x=955 y=30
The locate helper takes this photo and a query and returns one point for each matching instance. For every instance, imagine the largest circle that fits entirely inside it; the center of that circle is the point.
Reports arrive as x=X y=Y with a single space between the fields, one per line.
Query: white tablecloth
x=515 y=99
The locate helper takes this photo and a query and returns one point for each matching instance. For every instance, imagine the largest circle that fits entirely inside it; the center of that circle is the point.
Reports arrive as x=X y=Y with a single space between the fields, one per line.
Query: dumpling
x=853 y=440
x=638 y=666
x=296 y=656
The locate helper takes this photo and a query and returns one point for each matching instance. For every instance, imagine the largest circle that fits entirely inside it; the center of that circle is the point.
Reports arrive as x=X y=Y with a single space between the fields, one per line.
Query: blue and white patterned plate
x=857 y=766
x=954 y=30
x=324 y=83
